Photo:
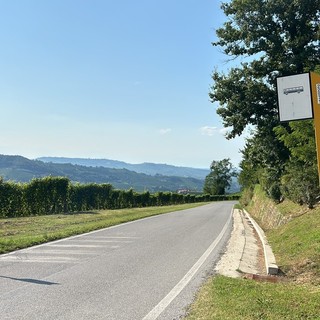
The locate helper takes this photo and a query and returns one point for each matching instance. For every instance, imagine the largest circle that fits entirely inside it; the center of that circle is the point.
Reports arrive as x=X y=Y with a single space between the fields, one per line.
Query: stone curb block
x=269 y=257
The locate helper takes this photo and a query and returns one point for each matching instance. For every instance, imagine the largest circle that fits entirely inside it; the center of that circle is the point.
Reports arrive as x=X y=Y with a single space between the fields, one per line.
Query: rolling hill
x=21 y=169
x=147 y=168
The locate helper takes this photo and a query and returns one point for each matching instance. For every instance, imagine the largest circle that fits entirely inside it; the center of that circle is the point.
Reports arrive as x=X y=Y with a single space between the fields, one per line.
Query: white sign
x=294 y=97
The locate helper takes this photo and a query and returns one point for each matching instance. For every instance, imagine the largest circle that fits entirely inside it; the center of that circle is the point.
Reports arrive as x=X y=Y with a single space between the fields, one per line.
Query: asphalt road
x=147 y=269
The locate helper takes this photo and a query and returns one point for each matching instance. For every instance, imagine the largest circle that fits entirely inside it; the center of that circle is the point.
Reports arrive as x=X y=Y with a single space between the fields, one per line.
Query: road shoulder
x=244 y=252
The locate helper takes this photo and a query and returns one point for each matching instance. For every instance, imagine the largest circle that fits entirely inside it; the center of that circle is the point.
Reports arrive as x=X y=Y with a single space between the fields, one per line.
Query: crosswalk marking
x=66 y=251
x=75 y=245
x=102 y=241
x=69 y=250
x=23 y=258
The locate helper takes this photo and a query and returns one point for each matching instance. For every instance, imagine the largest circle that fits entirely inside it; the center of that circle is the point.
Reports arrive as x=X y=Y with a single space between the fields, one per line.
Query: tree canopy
x=276 y=37
x=219 y=179
x=271 y=38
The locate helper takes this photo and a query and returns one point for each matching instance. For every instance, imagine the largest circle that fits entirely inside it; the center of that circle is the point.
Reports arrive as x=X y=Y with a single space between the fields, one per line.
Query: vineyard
x=56 y=195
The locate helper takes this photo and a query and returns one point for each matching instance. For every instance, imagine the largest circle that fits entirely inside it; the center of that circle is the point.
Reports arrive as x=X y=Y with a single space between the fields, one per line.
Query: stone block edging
x=270 y=260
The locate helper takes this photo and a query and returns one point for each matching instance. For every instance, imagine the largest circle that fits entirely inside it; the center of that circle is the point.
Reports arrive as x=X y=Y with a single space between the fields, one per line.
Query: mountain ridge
x=21 y=169
x=145 y=167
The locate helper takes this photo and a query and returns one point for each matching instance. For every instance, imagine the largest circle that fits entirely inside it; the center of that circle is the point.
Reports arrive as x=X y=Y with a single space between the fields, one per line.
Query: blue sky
x=124 y=80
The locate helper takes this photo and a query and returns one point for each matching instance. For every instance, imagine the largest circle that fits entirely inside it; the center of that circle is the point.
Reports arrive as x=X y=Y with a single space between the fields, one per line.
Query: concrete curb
x=269 y=257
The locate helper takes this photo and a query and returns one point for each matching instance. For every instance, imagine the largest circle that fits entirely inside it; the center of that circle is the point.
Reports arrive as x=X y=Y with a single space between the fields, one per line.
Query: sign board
x=294 y=97
x=299 y=99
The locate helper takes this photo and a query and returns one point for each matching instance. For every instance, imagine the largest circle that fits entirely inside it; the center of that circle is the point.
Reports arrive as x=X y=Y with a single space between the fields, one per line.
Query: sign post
x=299 y=99
x=315 y=93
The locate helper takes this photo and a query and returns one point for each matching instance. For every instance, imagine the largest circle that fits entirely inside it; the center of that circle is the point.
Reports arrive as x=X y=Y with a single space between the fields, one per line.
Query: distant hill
x=147 y=168
x=152 y=169
x=21 y=169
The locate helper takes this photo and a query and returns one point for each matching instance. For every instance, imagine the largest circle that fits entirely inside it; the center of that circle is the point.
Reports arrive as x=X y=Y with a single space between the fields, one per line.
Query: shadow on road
x=35 y=281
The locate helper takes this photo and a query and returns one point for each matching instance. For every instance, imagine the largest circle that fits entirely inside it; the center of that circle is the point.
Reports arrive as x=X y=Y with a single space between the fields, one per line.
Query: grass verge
x=296 y=246
x=18 y=233
x=294 y=234
x=224 y=298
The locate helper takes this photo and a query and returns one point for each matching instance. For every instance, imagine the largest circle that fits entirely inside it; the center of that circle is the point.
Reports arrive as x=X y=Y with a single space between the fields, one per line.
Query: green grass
x=295 y=241
x=296 y=244
x=238 y=206
x=18 y=233
x=225 y=298
x=289 y=208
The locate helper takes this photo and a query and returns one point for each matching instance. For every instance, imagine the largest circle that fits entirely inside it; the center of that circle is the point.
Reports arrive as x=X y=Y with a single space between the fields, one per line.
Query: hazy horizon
x=122 y=80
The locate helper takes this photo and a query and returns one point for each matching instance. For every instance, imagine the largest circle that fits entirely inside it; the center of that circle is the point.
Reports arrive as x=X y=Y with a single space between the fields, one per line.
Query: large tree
x=271 y=38
x=275 y=38
x=219 y=178
x=300 y=180
x=263 y=162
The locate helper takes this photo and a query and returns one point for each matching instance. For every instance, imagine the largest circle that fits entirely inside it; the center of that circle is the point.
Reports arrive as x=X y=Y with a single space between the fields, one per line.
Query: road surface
x=146 y=269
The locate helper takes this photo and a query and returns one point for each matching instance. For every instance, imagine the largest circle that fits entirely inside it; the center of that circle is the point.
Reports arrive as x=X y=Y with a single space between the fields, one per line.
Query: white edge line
x=164 y=303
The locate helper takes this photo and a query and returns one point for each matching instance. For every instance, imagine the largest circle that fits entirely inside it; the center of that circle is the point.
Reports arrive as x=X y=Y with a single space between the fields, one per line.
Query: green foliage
x=299 y=138
x=300 y=182
x=246 y=196
x=273 y=38
x=264 y=158
x=243 y=99
x=296 y=245
x=219 y=178
x=46 y=195
x=293 y=231
x=54 y=195
x=83 y=197
x=11 y=199
x=280 y=37
x=284 y=163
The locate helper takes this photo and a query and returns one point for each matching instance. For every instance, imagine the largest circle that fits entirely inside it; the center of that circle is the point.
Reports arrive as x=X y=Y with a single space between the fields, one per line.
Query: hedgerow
x=55 y=195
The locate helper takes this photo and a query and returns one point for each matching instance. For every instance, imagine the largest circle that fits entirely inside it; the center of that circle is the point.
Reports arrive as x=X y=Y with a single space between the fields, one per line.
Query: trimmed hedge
x=54 y=195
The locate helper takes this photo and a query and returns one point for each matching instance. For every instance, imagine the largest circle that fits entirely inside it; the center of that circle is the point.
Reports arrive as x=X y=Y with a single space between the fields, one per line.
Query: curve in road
x=146 y=269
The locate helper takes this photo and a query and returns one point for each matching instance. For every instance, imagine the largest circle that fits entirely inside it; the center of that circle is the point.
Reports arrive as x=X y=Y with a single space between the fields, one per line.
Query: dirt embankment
x=270 y=215
x=293 y=231
x=266 y=213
